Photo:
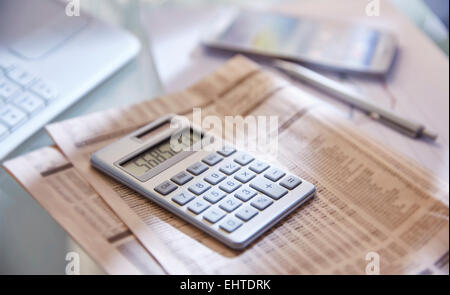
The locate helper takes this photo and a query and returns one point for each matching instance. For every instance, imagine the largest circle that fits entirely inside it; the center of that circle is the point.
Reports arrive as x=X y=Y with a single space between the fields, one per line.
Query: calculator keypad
x=233 y=192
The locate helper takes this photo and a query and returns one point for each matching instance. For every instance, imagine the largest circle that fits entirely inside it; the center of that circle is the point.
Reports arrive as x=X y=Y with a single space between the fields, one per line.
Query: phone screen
x=317 y=41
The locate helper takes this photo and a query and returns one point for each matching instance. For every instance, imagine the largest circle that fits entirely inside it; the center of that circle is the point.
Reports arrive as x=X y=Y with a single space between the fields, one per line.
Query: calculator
x=228 y=193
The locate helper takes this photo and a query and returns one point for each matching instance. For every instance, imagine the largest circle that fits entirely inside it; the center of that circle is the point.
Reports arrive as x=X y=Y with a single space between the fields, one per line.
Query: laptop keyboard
x=22 y=96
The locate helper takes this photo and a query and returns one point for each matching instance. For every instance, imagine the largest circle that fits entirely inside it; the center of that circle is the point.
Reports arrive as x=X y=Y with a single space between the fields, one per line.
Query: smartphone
x=340 y=46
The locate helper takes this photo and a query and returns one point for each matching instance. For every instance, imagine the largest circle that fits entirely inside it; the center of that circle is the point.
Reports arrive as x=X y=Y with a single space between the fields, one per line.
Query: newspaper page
x=369 y=202
x=69 y=198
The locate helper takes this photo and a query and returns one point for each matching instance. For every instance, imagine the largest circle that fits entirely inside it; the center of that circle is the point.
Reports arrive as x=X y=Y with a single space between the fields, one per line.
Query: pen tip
x=429 y=135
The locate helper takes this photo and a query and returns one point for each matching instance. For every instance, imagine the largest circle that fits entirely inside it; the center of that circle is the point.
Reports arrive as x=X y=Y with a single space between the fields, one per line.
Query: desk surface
x=31 y=241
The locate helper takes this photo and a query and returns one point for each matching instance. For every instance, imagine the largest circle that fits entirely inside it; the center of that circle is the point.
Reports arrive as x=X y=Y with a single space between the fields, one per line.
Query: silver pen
x=348 y=96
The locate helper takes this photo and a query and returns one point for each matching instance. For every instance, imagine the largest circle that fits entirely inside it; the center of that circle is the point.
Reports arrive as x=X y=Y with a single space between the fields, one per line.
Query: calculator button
x=290 y=182
x=229 y=168
x=198 y=206
x=274 y=174
x=261 y=202
x=230 y=224
x=166 y=188
x=181 y=178
x=226 y=151
x=246 y=213
x=21 y=77
x=214 y=196
x=229 y=185
x=230 y=204
x=212 y=159
x=258 y=166
x=244 y=176
x=243 y=159
x=213 y=215
x=183 y=198
x=197 y=168
x=199 y=187
x=215 y=177
x=245 y=193
x=269 y=188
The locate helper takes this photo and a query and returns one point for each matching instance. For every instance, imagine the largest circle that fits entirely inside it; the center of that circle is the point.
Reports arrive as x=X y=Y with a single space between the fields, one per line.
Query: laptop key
x=29 y=102
x=45 y=91
x=21 y=77
x=3 y=131
x=7 y=88
x=11 y=116
x=269 y=188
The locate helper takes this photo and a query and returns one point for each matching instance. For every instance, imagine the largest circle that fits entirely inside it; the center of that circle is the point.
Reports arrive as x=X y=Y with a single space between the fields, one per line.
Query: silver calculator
x=227 y=193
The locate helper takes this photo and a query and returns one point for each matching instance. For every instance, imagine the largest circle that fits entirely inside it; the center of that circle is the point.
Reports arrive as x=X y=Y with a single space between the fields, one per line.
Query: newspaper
x=68 y=197
x=369 y=201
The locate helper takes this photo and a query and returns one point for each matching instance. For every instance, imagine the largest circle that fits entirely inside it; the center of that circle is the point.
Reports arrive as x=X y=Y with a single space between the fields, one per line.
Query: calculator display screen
x=159 y=153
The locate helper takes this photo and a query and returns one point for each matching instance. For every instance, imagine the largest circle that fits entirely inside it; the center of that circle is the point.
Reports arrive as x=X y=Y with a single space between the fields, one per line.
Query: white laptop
x=49 y=60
